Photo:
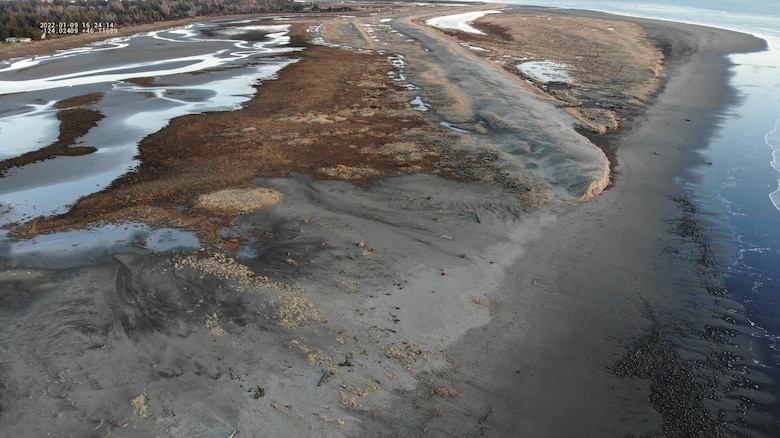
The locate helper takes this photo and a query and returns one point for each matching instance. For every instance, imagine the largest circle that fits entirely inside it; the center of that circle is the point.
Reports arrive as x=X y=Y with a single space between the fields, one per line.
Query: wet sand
x=608 y=265
x=410 y=305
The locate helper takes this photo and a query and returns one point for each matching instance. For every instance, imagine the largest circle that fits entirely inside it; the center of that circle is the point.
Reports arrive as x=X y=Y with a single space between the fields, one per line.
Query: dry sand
x=409 y=306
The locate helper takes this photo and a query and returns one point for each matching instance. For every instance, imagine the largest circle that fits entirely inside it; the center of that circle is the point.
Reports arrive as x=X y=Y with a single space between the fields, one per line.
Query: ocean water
x=739 y=193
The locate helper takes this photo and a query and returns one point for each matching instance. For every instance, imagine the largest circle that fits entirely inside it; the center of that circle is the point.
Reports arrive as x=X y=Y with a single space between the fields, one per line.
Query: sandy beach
x=537 y=271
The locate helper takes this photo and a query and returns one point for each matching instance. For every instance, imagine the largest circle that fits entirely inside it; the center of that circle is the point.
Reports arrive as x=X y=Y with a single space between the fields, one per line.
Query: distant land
x=58 y=18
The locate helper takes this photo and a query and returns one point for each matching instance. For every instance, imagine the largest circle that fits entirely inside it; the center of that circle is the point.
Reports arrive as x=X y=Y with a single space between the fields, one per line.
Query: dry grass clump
x=349 y=173
x=350 y=394
x=407 y=353
x=407 y=151
x=350 y=287
x=213 y=325
x=444 y=392
x=238 y=201
x=221 y=266
x=312 y=118
x=314 y=357
x=293 y=308
x=141 y=406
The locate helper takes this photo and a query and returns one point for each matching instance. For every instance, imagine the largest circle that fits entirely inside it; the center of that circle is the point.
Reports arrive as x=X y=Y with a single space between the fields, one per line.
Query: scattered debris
x=444 y=392
x=141 y=406
x=326 y=376
x=294 y=309
x=212 y=324
x=347 y=362
x=349 y=394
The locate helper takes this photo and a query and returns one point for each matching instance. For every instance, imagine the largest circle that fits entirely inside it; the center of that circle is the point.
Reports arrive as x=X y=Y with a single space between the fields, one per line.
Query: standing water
x=141 y=83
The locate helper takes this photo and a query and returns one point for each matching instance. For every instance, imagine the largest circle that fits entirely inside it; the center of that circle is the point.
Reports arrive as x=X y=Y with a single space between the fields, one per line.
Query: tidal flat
x=506 y=262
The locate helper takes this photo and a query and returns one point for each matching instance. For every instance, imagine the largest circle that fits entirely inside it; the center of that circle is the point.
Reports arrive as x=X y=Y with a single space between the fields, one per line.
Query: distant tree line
x=24 y=18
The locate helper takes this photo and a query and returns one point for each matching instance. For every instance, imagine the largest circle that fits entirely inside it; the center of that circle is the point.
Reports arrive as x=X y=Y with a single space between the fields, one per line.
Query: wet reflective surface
x=142 y=82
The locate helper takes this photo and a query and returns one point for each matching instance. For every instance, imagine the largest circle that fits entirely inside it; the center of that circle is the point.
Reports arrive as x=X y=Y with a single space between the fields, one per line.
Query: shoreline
x=546 y=384
x=410 y=305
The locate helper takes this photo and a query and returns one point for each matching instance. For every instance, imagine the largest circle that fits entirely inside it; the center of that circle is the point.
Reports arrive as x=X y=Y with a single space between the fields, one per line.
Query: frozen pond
x=74 y=248
x=144 y=81
x=547 y=71
x=460 y=21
